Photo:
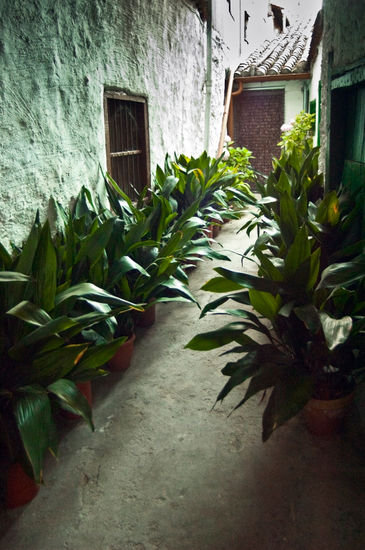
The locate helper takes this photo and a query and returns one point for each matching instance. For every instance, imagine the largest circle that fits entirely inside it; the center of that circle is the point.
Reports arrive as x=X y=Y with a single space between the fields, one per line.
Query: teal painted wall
x=343 y=62
x=56 y=58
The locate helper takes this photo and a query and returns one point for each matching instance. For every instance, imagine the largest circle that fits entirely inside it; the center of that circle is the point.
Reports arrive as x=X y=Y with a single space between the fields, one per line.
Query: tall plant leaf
x=32 y=411
x=336 y=331
x=45 y=270
x=71 y=399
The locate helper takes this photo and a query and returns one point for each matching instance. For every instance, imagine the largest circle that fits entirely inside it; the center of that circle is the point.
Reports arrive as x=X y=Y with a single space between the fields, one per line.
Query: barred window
x=126 y=127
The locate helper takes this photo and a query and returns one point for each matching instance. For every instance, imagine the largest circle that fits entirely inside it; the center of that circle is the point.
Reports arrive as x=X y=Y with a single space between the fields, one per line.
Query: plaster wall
x=57 y=58
x=314 y=87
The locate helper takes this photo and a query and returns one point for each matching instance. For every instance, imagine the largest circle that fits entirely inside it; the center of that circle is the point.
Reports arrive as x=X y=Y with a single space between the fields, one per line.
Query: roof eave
x=271 y=77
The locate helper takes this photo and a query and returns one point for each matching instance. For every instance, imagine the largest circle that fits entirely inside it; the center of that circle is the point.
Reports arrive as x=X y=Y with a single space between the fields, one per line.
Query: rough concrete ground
x=164 y=472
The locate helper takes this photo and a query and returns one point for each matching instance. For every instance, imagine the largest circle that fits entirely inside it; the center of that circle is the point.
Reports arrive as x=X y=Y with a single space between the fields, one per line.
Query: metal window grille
x=127 y=142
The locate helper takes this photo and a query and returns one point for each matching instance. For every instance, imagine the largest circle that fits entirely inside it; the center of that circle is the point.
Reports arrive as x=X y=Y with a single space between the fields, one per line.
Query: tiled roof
x=287 y=53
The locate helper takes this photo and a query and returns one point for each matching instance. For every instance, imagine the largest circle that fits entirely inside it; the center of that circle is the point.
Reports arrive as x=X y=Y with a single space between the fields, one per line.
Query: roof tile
x=286 y=53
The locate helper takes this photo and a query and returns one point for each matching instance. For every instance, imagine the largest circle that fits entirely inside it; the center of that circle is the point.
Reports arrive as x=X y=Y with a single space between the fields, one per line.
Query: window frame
x=145 y=151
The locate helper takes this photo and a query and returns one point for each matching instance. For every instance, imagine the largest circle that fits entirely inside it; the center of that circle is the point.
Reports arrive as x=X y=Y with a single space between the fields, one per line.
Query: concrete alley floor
x=163 y=471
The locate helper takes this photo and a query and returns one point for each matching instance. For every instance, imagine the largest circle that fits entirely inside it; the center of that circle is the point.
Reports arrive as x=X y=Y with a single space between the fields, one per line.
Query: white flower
x=286 y=128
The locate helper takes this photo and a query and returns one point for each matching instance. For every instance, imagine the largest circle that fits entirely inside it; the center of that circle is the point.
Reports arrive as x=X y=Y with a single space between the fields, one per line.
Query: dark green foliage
x=306 y=318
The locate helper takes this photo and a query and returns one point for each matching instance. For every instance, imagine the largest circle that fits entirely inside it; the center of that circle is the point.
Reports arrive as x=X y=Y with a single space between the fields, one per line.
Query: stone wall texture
x=56 y=59
x=344 y=42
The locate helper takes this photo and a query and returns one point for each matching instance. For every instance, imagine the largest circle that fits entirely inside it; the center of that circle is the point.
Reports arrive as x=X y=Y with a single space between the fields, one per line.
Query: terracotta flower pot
x=145 y=318
x=20 y=488
x=123 y=356
x=326 y=417
x=210 y=232
x=216 y=229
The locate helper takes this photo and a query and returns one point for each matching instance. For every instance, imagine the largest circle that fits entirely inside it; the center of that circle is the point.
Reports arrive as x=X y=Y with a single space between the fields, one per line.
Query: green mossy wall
x=56 y=59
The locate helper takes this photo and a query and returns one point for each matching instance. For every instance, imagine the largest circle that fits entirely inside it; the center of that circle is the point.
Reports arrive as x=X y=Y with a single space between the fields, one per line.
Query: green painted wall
x=343 y=65
x=56 y=58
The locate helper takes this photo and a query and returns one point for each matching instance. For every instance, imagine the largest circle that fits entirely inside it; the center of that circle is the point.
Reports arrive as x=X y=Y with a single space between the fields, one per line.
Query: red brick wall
x=258 y=115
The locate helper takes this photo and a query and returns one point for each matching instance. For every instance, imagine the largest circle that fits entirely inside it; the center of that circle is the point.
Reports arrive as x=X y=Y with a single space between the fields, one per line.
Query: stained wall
x=343 y=53
x=57 y=58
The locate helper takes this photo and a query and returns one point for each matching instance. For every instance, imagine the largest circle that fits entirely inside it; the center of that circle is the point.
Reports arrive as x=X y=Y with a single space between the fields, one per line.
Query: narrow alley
x=163 y=471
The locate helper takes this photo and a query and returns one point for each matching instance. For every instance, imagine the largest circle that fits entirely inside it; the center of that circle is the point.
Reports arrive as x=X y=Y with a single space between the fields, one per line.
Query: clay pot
x=145 y=318
x=122 y=358
x=216 y=229
x=20 y=488
x=326 y=417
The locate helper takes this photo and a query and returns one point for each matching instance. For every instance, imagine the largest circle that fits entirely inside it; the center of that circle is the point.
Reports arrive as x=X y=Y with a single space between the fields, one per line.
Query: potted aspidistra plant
x=42 y=360
x=306 y=310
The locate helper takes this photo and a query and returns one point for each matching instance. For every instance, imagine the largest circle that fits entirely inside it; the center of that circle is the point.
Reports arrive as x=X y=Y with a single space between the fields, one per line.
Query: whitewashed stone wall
x=56 y=58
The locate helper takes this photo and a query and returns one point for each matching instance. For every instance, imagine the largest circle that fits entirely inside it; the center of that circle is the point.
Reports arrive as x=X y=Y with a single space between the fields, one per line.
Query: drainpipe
x=208 y=76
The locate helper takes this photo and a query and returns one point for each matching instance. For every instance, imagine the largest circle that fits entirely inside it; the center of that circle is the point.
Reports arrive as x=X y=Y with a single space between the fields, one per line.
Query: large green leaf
x=336 y=331
x=133 y=237
x=71 y=399
x=328 y=211
x=266 y=377
x=25 y=260
x=122 y=266
x=13 y=276
x=309 y=315
x=288 y=220
x=169 y=185
x=269 y=269
x=298 y=252
x=92 y=292
x=42 y=333
x=314 y=267
x=239 y=297
x=55 y=364
x=171 y=246
x=220 y=337
x=5 y=257
x=95 y=357
x=240 y=371
x=245 y=280
x=45 y=270
x=93 y=246
x=344 y=273
x=187 y=214
x=32 y=411
x=265 y=303
x=288 y=397
x=29 y=312
x=220 y=284
x=177 y=286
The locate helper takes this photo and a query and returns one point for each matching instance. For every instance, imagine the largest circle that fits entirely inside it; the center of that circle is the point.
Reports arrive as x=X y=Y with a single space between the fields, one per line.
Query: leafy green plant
x=88 y=233
x=290 y=331
x=298 y=133
x=150 y=251
x=299 y=323
x=239 y=162
x=208 y=183
x=42 y=357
